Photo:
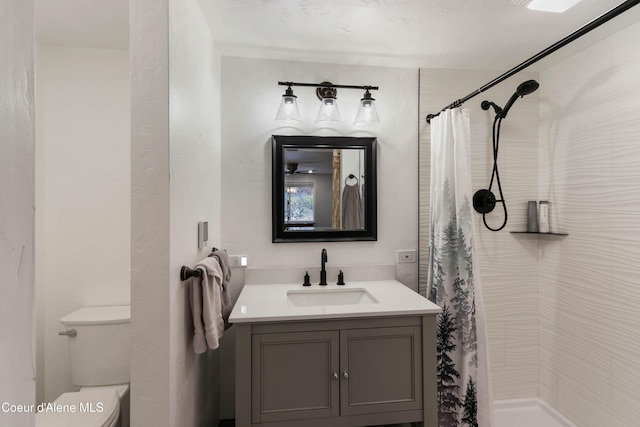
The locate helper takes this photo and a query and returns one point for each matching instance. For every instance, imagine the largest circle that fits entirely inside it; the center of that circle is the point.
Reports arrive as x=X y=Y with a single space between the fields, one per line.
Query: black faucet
x=323 y=272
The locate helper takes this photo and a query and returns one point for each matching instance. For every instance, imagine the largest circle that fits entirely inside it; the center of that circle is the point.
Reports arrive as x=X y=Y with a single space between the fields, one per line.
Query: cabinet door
x=295 y=376
x=381 y=370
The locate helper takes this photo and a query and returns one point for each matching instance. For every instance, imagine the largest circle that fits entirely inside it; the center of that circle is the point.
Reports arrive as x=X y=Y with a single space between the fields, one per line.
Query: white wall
x=150 y=313
x=194 y=139
x=589 y=310
x=84 y=198
x=251 y=97
x=175 y=183
x=17 y=198
x=508 y=263
x=250 y=100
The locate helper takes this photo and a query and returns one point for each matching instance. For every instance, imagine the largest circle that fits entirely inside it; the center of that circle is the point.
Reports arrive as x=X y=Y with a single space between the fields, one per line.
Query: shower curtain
x=464 y=397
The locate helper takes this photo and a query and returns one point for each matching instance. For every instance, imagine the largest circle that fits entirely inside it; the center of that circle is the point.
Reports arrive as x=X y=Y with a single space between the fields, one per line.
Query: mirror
x=323 y=188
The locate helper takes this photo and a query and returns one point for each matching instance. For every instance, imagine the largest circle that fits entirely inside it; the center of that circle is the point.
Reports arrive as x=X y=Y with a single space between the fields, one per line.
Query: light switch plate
x=238 y=261
x=203 y=234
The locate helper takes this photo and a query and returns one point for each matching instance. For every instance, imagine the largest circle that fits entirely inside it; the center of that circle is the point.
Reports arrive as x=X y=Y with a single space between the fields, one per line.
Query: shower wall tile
x=589 y=294
x=582 y=407
x=586 y=67
x=497 y=345
x=514 y=382
x=548 y=384
x=522 y=335
x=625 y=45
x=625 y=377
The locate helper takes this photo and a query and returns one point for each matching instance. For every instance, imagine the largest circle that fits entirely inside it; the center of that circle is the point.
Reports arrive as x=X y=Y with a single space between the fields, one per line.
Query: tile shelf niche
x=537 y=232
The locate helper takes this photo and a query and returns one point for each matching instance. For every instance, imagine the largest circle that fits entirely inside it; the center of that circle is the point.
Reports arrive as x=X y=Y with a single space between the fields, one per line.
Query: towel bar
x=187 y=273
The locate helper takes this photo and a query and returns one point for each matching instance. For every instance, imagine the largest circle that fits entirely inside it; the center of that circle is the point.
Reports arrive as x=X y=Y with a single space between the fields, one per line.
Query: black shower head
x=525 y=88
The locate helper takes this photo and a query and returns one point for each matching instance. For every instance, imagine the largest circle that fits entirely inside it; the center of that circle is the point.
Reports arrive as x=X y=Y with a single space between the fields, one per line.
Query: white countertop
x=269 y=303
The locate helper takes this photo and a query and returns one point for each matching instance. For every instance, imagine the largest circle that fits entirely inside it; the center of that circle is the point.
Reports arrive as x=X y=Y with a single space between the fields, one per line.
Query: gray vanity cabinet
x=336 y=373
x=380 y=370
x=295 y=376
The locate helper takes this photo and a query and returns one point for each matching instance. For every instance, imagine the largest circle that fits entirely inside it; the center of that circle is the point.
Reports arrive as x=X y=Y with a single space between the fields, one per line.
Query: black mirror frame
x=279 y=144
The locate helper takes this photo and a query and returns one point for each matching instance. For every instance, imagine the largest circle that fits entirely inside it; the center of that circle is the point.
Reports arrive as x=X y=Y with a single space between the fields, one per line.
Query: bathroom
x=561 y=311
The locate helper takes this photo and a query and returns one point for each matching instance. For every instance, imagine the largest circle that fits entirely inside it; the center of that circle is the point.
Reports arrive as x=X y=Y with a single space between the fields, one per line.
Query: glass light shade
x=367 y=112
x=288 y=108
x=328 y=111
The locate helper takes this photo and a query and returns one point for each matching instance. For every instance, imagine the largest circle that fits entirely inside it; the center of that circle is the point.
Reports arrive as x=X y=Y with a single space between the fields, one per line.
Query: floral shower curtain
x=464 y=397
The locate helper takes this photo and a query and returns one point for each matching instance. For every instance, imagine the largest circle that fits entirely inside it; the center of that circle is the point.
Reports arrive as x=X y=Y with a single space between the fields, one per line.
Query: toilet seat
x=95 y=408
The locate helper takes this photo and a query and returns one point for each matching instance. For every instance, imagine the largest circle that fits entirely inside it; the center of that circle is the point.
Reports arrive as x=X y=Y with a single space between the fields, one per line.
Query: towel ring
x=351 y=176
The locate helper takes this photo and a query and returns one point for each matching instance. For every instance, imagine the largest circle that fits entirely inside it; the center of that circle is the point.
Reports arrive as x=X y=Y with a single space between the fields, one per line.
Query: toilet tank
x=100 y=352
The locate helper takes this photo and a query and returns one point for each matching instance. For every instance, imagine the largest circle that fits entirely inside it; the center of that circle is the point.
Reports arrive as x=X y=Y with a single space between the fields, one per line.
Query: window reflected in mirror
x=300 y=205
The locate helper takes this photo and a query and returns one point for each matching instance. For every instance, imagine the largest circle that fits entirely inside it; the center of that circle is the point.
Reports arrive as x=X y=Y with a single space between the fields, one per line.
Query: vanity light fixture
x=367 y=112
x=289 y=107
x=329 y=112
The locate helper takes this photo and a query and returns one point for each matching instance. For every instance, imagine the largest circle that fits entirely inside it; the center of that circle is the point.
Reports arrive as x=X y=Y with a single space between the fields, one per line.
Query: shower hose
x=497 y=122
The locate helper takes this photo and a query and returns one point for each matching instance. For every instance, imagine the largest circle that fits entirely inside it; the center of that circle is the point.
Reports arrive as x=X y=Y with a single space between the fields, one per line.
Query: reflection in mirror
x=323 y=188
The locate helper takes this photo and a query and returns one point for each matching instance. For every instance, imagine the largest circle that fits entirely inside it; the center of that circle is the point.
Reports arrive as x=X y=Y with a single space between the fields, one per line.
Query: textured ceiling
x=485 y=34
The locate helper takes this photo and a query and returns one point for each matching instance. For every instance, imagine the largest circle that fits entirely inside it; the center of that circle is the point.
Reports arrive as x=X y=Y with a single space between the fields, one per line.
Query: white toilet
x=100 y=352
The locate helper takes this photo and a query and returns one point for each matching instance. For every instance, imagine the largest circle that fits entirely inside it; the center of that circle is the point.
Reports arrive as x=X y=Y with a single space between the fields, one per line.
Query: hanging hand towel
x=195 y=300
x=352 y=214
x=223 y=260
x=206 y=305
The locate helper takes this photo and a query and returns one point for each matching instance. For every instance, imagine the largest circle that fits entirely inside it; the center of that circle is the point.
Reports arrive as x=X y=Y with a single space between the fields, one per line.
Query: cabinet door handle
x=335 y=376
x=345 y=375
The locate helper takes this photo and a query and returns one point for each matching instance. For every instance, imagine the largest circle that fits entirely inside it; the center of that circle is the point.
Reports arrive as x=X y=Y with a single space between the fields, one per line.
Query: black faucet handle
x=307 y=281
x=340 y=278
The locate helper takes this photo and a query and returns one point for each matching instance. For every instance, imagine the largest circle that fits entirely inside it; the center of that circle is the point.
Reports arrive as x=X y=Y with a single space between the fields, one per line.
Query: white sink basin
x=320 y=297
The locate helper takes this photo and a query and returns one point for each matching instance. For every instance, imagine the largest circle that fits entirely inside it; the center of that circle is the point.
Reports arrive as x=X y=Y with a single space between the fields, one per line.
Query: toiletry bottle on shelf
x=532 y=217
x=544 y=217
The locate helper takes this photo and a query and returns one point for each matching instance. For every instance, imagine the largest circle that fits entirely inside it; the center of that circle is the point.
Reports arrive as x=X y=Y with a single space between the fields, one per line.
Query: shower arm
x=621 y=8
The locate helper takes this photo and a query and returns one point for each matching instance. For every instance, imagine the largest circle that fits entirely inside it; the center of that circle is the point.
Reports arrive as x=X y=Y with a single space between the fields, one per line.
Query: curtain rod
x=621 y=8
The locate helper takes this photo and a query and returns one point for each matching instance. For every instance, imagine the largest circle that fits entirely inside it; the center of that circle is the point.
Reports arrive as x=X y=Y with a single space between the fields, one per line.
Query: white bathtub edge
x=515 y=404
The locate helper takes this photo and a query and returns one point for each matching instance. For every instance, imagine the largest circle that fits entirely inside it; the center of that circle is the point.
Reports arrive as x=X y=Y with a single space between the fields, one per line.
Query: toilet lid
x=81 y=409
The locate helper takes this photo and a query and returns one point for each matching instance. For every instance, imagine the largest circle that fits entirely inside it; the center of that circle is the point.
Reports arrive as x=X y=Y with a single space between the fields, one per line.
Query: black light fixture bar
x=621 y=8
x=317 y=85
